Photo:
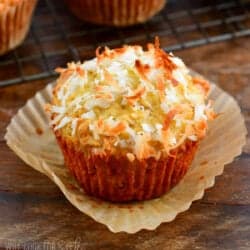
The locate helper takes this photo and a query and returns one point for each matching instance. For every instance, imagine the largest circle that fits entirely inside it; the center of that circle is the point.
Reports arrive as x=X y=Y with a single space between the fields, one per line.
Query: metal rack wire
x=56 y=37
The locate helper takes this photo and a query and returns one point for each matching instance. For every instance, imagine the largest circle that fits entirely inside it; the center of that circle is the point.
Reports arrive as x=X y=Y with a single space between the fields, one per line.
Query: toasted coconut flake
x=143 y=69
x=65 y=120
x=202 y=83
x=137 y=94
x=119 y=128
x=168 y=118
x=80 y=71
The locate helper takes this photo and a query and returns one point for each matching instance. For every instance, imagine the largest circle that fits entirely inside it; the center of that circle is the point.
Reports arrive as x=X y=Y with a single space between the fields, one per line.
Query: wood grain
x=34 y=213
x=57 y=223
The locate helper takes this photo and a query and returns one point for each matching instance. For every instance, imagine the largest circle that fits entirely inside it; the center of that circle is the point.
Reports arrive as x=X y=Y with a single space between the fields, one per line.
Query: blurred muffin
x=15 y=17
x=115 y=12
x=129 y=121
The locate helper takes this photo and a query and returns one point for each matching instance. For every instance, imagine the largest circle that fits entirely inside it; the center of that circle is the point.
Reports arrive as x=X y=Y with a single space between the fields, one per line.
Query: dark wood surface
x=35 y=215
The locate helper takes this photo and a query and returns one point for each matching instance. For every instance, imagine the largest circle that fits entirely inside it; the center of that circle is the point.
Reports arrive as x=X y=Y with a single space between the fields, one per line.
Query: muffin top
x=127 y=100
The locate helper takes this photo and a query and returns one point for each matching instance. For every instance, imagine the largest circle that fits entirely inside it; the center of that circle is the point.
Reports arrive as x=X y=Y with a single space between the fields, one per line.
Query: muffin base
x=116 y=179
x=113 y=12
x=14 y=24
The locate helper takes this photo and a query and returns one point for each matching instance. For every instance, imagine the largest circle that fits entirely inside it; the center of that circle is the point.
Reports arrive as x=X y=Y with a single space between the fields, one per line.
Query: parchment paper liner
x=30 y=137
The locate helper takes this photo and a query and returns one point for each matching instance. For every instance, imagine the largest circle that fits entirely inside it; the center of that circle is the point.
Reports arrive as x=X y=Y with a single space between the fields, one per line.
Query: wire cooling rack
x=57 y=37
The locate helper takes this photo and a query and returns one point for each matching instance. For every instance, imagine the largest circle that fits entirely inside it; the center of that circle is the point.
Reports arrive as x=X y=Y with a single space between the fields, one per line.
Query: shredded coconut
x=144 y=101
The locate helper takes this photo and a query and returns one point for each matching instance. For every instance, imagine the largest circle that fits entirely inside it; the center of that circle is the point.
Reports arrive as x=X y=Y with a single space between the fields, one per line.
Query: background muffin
x=15 y=17
x=115 y=12
x=129 y=121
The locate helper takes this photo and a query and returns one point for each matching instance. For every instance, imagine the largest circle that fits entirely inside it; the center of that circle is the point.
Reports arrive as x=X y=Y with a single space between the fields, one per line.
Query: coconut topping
x=144 y=103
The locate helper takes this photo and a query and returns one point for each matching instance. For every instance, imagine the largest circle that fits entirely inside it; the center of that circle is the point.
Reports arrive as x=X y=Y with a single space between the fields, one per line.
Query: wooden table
x=34 y=213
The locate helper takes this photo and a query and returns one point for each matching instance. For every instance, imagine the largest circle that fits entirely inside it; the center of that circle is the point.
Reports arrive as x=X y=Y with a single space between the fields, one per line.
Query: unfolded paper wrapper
x=30 y=137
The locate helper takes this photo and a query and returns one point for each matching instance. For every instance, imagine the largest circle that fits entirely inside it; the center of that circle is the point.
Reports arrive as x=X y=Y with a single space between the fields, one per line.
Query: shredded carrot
x=120 y=50
x=142 y=69
x=137 y=94
x=80 y=71
x=98 y=88
x=169 y=117
x=120 y=127
x=163 y=60
x=200 y=128
x=202 y=83
x=110 y=131
x=161 y=87
x=106 y=96
x=65 y=75
x=100 y=123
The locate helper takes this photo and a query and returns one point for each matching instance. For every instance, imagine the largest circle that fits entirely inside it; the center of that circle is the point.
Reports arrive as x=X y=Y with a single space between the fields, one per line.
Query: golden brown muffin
x=115 y=12
x=15 y=18
x=129 y=121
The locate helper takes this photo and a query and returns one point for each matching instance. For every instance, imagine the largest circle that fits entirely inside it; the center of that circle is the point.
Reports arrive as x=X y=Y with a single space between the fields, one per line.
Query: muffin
x=15 y=17
x=129 y=121
x=114 y=12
